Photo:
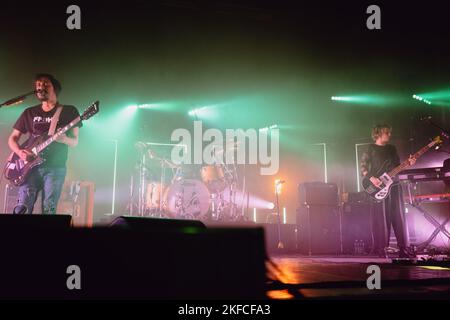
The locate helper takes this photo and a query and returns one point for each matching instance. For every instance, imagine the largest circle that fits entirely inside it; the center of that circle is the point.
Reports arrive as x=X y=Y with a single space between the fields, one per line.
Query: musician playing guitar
x=390 y=211
x=36 y=121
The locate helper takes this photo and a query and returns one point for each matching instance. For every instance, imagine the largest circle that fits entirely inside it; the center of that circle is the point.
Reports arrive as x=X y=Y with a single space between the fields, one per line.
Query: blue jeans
x=48 y=180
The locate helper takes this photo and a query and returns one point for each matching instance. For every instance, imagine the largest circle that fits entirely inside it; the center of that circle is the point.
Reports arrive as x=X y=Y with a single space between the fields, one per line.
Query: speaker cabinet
x=77 y=200
x=318 y=194
x=318 y=230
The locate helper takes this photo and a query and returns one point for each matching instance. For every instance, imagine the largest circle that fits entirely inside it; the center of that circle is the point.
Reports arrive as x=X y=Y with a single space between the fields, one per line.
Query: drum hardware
x=142 y=176
x=131 y=206
x=191 y=192
x=280 y=243
x=156 y=193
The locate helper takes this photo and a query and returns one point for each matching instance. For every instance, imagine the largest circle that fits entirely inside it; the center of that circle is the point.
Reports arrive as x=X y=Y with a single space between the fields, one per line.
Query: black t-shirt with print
x=35 y=121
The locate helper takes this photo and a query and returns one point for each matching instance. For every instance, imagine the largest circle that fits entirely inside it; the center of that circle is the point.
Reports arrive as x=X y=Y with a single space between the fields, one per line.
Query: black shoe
x=404 y=254
x=382 y=253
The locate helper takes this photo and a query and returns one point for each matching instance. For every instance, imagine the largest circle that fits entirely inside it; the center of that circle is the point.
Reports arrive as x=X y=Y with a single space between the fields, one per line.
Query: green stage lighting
x=371 y=99
x=421 y=99
x=205 y=113
x=437 y=98
x=129 y=111
x=147 y=106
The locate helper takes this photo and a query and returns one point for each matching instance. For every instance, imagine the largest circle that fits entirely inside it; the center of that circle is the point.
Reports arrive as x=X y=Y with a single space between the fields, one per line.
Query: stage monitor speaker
x=155 y=224
x=34 y=221
x=318 y=194
x=77 y=200
x=318 y=230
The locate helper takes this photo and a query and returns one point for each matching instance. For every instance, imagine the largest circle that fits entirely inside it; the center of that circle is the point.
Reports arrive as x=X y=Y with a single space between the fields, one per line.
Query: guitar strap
x=55 y=119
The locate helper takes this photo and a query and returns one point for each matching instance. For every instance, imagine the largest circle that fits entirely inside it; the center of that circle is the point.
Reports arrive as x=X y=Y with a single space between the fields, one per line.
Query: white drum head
x=187 y=199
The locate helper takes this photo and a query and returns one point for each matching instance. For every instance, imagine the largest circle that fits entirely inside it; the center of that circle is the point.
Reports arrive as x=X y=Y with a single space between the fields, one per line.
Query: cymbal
x=170 y=164
x=140 y=145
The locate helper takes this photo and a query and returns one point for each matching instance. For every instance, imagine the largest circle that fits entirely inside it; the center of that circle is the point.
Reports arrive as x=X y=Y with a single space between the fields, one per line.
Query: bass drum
x=187 y=199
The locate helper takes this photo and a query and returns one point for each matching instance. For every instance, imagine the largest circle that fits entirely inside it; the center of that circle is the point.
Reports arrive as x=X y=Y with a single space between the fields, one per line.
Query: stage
x=344 y=277
x=224 y=150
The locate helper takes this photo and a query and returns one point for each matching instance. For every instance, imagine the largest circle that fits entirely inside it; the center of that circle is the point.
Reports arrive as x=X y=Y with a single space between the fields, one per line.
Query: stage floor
x=302 y=277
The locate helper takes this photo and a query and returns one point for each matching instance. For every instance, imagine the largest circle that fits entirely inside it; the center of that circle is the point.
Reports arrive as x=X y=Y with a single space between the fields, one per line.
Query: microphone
x=18 y=99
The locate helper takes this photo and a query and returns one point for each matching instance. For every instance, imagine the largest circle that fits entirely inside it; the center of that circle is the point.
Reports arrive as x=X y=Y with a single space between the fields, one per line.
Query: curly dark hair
x=56 y=84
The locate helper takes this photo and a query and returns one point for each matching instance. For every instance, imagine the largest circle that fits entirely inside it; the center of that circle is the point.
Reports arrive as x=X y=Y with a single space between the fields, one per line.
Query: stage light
x=371 y=99
x=284 y=215
x=421 y=99
x=266 y=129
x=254 y=214
x=146 y=106
x=349 y=98
x=206 y=112
x=129 y=111
x=192 y=112
x=340 y=98
x=278 y=186
x=436 y=98
x=270 y=205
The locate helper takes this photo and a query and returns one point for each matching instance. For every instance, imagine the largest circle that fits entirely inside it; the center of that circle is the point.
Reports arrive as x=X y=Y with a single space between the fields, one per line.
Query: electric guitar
x=387 y=178
x=17 y=170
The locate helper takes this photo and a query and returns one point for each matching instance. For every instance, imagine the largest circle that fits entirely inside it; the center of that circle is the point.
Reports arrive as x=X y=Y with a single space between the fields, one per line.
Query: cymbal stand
x=131 y=204
x=161 y=189
x=233 y=191
x=142 y=172
x=244 y=196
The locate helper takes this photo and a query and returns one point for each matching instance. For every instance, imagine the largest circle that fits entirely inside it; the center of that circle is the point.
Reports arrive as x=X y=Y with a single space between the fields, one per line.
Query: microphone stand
x=280 y=243
x=18 y=99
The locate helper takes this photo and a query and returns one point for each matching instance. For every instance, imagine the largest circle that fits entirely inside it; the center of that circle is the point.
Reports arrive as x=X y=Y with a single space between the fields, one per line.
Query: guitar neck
x=60 y=132
x=405 y=164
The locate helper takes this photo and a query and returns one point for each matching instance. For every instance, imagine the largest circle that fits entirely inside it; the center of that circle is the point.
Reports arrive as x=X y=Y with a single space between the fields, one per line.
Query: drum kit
x=168 y=190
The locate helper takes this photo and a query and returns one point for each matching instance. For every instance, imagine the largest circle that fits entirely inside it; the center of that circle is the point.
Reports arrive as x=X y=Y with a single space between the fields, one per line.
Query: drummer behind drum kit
x=183 y=191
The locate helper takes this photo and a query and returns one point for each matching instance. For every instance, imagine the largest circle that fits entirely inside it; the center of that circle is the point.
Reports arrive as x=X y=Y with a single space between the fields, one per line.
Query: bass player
x=390 y=211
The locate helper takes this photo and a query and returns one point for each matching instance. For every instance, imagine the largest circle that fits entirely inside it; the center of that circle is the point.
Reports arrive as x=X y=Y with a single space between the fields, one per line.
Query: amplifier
x=77 y=200
x=318 y=194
